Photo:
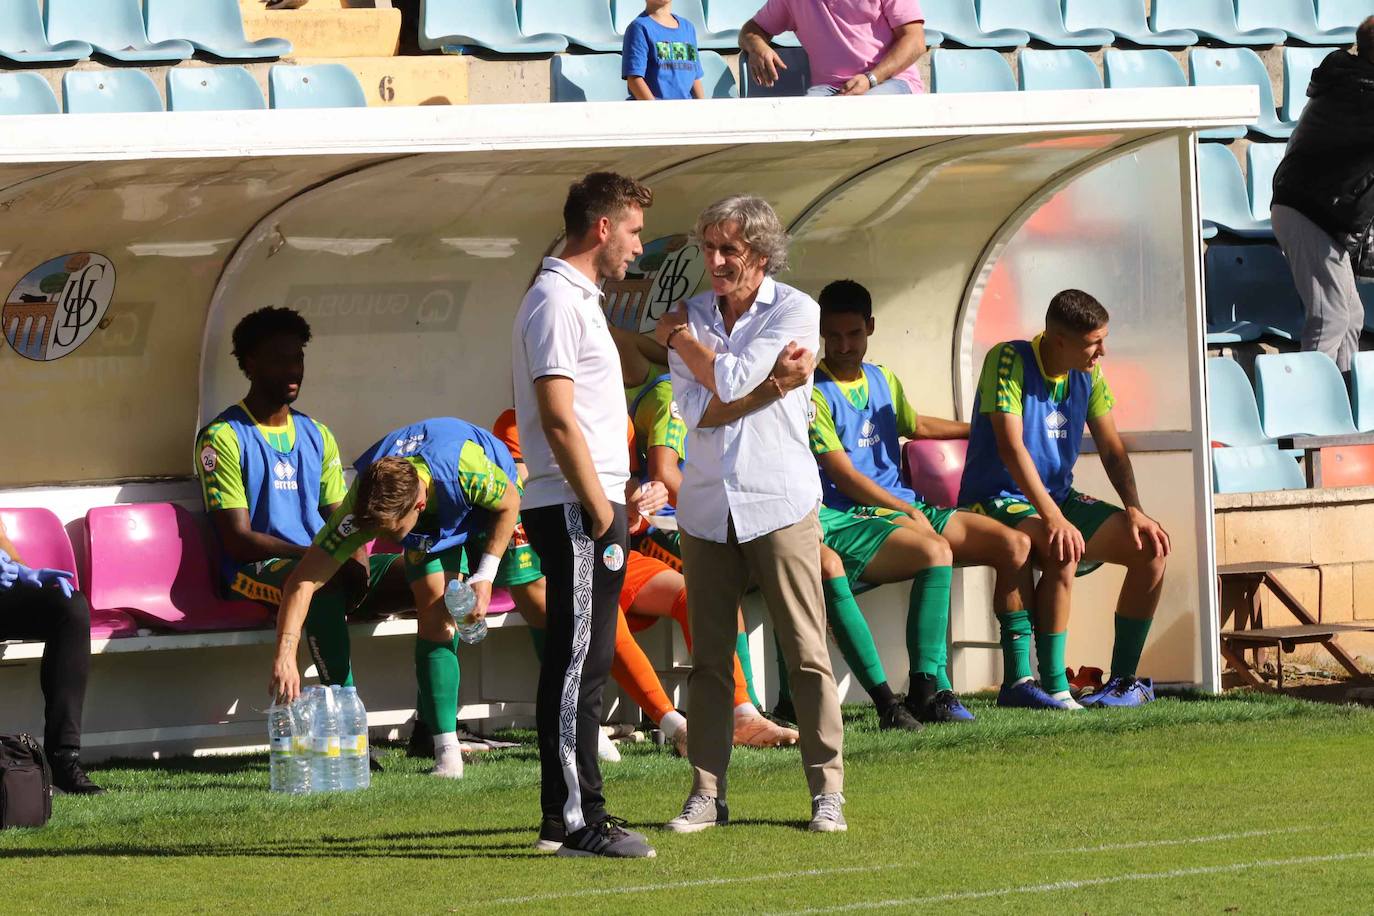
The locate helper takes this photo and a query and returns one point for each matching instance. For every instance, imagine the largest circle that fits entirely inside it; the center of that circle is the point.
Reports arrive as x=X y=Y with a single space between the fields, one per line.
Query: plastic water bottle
x=354 y=772
x=289 y=765
x=460 y=599
x=324 y=741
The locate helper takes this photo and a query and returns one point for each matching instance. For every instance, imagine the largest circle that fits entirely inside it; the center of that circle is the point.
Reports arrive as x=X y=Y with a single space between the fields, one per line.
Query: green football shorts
x=1083 y=512
x=519 y=564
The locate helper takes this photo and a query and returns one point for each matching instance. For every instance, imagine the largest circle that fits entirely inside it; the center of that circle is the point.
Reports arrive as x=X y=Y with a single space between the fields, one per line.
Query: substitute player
x=1033 y=400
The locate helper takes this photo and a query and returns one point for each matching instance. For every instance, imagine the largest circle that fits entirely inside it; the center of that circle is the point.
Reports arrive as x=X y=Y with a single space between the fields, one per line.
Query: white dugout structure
x=407 y=238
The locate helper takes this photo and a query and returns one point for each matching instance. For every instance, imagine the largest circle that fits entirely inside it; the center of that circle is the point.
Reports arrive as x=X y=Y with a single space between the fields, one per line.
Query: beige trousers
x=785 y=564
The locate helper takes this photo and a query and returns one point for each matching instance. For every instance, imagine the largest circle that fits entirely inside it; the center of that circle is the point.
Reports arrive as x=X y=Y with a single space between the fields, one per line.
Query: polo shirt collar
x=572 y=275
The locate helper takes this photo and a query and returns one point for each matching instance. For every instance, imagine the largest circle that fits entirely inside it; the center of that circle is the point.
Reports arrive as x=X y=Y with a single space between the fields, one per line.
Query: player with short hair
x=1034 y=398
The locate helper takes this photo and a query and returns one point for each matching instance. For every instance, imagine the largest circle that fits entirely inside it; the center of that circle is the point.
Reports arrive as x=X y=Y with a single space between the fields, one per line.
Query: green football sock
x=1049 y=648
x=326 y=636
x=784 y=686
x=747 y=663
x=1016 y=646
x=436 y=673
x=1130 y=642
x=927 y=623
x=852 y=635
x=538 y=637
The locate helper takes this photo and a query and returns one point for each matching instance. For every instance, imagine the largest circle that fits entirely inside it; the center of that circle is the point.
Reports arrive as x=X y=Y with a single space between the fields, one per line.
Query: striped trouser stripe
x=584 y=563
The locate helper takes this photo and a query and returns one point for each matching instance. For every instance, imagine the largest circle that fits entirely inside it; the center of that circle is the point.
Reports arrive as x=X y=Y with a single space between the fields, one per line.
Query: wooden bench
x=1250 y=633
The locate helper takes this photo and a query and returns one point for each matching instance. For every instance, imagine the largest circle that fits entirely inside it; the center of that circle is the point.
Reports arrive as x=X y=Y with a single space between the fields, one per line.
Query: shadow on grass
x=426 y=846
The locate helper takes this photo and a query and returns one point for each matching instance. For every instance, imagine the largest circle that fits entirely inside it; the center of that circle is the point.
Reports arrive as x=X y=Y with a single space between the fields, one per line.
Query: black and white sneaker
x=698 y=813
x=898 y=717
x=551 y=835
x=609 y=839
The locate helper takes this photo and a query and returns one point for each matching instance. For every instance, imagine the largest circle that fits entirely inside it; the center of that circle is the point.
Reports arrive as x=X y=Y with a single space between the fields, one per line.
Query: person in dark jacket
x=1323 y=205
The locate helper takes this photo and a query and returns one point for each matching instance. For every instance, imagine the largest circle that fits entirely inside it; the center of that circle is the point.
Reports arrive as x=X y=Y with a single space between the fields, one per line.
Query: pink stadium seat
x=934 y=468
x=42 y=541
x=152 y=561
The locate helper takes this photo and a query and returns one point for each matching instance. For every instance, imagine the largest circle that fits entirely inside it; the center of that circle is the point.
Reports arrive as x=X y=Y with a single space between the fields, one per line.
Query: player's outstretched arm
x=311 y=573
x=1116 y=461
x=1066 y=541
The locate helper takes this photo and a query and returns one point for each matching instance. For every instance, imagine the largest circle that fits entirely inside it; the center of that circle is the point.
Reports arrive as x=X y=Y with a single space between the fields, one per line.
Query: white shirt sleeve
x=692 y=397
x=552 y=336
x=738 y=374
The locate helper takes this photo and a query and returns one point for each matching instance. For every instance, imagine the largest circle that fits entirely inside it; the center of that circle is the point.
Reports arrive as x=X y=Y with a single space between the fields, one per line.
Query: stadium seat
x=1362 y=390
x=212 y=89
x=795 y=80
x=1261 y=159
x=1250 y=294
x=623 y=13
x=723 y=17
x=719 y=81
x=1215 y=19
x=106 y=91
x=113 y=27
x=1338 y=14
x=212 y=26
x=1348 y=466
x=979 y=70
x=490 y=24
x=42 y=542
x=934 y=467
x=1302 y=394
x=587 y=78
x=1254 y=468
x=1238 y=67
x=1060 y=69
x=26 y=93
x=1232 y=413
x=151 y=560
x=1225 y=203
x=1296 y=17
x=585 y=23
x=1142 y=70
x=1125 y=18
x=314 y=86
x=22 y=38
x=957 y=21
x=1040 y=19
x=1298 y=64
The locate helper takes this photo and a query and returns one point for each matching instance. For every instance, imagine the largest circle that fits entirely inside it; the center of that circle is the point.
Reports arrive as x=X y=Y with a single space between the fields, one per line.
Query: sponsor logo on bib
x=1055 y=425
x=285 y=475
x=868 y=433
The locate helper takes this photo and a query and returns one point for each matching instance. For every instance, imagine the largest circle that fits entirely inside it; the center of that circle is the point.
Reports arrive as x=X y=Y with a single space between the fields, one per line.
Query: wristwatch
x=872 y=80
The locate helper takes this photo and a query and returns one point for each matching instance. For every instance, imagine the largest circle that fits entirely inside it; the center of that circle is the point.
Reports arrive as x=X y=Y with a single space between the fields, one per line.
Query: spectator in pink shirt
x=855 y=46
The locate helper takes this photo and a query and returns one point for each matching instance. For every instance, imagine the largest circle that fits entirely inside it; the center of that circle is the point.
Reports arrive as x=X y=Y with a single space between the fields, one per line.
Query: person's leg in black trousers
x=64 y=626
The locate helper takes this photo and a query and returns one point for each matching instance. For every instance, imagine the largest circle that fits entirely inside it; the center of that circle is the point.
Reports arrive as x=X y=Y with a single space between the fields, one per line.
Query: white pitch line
x=1052 y=887
x=845 y=870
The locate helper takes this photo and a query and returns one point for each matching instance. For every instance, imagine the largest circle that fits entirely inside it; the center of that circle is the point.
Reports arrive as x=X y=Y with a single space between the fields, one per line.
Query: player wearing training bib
x=884 y=530
x=1034 y=399
x=270 y=476
x=445 y=491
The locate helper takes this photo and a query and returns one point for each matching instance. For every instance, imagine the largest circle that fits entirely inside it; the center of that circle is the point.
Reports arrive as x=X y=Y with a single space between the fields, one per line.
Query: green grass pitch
x=1245 y=804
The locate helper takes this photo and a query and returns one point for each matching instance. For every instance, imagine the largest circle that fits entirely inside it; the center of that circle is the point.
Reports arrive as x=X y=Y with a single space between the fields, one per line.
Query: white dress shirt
x=560 y=330
x=757 y=470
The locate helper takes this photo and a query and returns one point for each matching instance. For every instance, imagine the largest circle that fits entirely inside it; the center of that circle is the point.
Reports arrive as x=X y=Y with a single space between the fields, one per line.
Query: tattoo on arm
x=1119 y=472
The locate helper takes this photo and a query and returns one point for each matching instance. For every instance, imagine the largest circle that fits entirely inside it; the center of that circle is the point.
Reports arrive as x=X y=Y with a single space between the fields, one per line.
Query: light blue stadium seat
x=22 y=38
x=1250 y=294
x=104 y=91
x=1225 y=203
x=1298 y=64
x=723 y=17
x=957 y=20
x=719 y=79
x=980 y=70
x=1142 y=69
x=588 y=78
x=1302 y=394
x=1296 y=17
x=1338 y=14
x=1215 y=19
x=212 y=89
x=491 y=24
x=112 y=27
x=212 y=26
x=314 y=86
x=1238 y=67
x=623 y=13
x=1041 y=19
x=1059 y=69
x=1254 y=469
x=1261 y=160
x=1126 y=18
x=1362 y=390
x=26 y=93
x=795 y=80
x=1232 y=414
x=585 y=23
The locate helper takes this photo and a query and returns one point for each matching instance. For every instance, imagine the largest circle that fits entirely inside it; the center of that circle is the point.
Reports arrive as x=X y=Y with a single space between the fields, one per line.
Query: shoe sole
x=548 y=845
x=570 y=853
x=691 y=828
x=828 y=828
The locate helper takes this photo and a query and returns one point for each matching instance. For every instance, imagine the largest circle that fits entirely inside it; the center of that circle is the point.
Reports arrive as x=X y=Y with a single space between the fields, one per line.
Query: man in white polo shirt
x=570 y=410
x=741 y=366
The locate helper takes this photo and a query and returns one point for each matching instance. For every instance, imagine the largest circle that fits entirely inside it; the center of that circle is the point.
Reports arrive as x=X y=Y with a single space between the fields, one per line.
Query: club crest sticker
x=669 y=270
x=614 y=557
x=209 y=459
x=57 y=305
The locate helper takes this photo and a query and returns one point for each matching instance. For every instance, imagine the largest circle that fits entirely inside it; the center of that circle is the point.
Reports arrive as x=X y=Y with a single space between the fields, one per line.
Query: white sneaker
x=605 y=747
x=827 y=815
x=699 y=813
x=1067 y=699
x=449 y=764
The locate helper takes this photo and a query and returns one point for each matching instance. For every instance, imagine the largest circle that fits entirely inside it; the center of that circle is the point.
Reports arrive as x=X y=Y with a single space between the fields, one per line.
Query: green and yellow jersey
x=823 y=436
x=1000 y=385
x=221 y=482
x=655 y=415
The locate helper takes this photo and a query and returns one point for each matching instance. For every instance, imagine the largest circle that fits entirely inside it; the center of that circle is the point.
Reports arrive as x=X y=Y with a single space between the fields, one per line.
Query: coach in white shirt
x=570 y=408
x=741 y=363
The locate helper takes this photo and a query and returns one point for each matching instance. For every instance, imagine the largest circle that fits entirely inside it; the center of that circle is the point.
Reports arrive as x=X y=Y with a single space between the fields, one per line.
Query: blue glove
x=9 y=571
x=39 y=578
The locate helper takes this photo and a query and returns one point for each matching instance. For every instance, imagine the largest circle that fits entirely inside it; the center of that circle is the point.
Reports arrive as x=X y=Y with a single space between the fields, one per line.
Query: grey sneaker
x=826 y=815
x=609 y=839
x=700 y=812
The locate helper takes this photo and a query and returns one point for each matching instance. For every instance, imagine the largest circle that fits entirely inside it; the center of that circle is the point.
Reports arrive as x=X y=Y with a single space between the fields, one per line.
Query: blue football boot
x=1027 y=694
x=928 y=703
x=1122 y=691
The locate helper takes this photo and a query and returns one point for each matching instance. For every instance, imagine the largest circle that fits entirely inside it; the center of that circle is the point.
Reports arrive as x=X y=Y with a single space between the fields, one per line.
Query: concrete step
x=326 y=32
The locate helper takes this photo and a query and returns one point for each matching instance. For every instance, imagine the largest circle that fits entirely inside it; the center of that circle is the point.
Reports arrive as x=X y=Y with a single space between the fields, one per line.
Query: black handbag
x=25 y=783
